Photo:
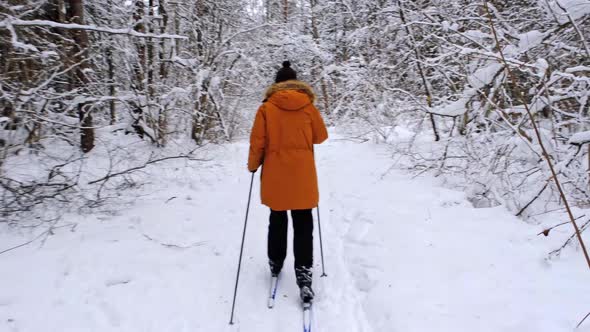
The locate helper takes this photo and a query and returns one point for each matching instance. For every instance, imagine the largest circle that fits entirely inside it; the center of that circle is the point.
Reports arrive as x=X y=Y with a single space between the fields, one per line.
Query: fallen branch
x=149 y=162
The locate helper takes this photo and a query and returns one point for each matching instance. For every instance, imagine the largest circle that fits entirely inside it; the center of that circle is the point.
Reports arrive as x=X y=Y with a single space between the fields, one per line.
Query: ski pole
x=321 y=244
x=231 y=320
x=320 y=230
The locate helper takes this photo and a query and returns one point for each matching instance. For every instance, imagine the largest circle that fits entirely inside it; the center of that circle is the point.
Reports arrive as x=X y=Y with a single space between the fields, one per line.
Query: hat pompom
x=286 y=73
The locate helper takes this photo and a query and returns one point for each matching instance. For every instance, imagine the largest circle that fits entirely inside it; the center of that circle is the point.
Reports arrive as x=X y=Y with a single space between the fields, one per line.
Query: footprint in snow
x=112 y=315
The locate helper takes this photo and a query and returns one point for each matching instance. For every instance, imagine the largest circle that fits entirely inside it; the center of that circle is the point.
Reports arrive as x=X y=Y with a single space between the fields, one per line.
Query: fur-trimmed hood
x=290 y=95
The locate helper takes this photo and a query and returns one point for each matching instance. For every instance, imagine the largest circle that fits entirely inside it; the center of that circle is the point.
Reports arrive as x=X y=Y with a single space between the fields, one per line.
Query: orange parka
x=286 y=127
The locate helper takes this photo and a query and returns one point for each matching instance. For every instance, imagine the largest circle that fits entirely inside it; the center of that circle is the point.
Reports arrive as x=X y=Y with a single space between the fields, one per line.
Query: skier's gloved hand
x=253 y=171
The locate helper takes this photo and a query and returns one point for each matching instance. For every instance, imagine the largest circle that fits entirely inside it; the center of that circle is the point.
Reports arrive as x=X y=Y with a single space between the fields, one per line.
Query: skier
x=286 y=127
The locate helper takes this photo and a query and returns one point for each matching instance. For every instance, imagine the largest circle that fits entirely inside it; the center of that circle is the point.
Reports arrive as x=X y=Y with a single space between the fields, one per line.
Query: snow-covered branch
x=9 y=23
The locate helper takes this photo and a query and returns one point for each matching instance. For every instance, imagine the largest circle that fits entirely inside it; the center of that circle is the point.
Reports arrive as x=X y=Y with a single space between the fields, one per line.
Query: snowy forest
x=106 y=104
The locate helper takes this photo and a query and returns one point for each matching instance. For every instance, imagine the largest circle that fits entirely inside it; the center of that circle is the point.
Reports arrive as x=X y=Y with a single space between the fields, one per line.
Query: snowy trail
x=402 y=255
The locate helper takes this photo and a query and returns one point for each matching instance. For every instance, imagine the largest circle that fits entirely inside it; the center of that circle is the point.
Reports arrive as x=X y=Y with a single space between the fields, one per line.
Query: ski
x=274 y=283
x=307 y=317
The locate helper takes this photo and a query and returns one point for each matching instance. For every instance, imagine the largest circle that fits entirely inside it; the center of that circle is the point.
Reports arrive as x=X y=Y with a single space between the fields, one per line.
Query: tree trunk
x=286 y=11
x=316 y=37
x=150 y=96
x=139 y=68
x=80 y=56
x=267 y=10
x=176 y=29
x=420 y=69
x=163 y=75
x=111 y=80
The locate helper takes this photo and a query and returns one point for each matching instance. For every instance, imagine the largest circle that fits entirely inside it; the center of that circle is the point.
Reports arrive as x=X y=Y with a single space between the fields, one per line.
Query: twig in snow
x=534 y=198
x=557 y=252
x=47 y=232
x=172 y=245
x=582 y=321
x=546 y=231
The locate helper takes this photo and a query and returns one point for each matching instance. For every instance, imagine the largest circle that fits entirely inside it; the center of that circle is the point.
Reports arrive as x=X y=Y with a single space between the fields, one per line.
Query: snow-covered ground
x=401 y=254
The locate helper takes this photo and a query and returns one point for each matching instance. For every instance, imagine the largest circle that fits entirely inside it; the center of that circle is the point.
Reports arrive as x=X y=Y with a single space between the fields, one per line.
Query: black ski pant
x=302 y=243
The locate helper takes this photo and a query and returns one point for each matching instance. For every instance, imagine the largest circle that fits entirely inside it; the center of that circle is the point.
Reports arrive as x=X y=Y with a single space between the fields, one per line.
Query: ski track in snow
x=401 y=254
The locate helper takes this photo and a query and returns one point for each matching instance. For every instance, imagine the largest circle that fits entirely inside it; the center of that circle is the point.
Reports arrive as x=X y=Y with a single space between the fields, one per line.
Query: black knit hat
x=285 y=73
